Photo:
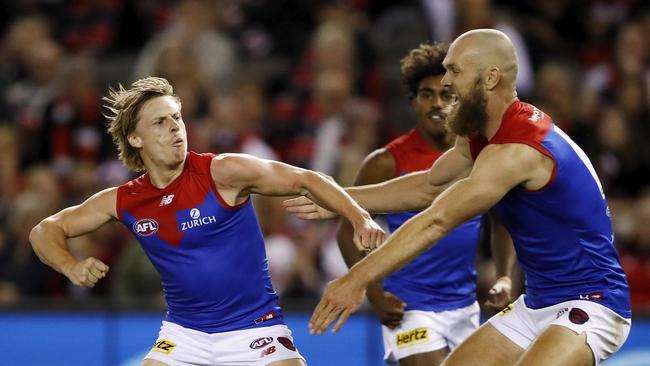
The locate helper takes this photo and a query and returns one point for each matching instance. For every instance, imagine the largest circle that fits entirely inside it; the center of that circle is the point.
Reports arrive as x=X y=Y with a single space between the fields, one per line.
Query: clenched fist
x=87 y=272
x=368 y=235
x=499 y=296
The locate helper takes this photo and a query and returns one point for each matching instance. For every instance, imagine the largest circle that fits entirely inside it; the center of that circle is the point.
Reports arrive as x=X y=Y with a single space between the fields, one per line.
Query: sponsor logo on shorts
x=561 y=312
x=287 y=343
x=268 y=351
x=266 y=317
x=596 y=296
x=578 y=316
x=506 y=310
x=260 y=342
x=164 y=346
x=416 y=336
x=145 y=227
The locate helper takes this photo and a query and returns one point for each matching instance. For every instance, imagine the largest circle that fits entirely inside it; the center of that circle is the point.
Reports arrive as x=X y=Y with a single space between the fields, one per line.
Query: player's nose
x=445 y=80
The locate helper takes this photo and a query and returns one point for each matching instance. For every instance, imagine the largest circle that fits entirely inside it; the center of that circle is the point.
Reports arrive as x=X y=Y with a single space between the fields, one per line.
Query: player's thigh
x=291 y=362
x=485 y=347
x=149 y=362
x=433 y=358
x=559 y=346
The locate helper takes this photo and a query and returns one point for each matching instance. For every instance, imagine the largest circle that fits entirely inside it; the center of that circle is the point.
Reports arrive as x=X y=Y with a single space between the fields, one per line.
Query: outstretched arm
x=414 y=191
x=379 y=166
x=498 y=169
x=238 y=175
x=49 y=237
x=417 y=190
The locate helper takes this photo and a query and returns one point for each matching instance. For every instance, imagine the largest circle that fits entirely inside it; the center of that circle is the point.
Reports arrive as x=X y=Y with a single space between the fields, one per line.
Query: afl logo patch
x=145 y=227
x=260 y=342
x=578 y=316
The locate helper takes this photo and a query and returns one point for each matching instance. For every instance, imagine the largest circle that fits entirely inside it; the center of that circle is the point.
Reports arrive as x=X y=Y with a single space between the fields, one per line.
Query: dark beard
x=470 y=115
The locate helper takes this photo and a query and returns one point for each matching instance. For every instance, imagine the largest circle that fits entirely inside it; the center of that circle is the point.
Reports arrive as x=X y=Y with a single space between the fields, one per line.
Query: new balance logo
x=166 y=200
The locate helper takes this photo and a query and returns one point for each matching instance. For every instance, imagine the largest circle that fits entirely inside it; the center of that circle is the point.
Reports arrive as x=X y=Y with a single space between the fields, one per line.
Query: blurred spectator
x=29 y=96
x=231 y=126
x=134 y=280
x=555 y=94
x=331 y=90
x=22 y=274
x=72 y=126
x=89 y=27
x=362 y=118
x=616 y=156
x=194 y=35
x=280 y=248
x=9 y=172
x=17 y=43
x=636 y=259
x=307 y=279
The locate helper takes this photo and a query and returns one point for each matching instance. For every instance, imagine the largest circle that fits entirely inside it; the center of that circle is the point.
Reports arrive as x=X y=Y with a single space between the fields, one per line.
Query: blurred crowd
x=311 y=83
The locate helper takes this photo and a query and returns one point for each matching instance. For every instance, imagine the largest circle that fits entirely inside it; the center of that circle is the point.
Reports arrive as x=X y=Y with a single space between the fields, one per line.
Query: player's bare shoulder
x=231 y=173
x=227 y=168
x=105 y=201
x=518 y=161
x=378 y=166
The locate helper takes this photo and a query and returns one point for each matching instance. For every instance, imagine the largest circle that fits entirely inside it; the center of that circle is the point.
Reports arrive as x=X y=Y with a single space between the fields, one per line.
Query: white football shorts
x=427 y=331
x=606 y=331
x=179 y=346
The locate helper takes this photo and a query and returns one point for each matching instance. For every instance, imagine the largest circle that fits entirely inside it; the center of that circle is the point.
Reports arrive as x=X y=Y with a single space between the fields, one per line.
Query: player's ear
x=134 y=140
x=492 y=78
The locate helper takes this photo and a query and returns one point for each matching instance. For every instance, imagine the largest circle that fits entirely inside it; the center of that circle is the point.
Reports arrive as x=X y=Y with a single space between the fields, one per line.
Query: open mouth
x=435 y=116
x=178 y=142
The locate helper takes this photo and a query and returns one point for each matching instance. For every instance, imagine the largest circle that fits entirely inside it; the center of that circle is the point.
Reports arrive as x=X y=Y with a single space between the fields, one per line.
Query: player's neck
x=440 y=143
x=162 y=176
x=496 y=107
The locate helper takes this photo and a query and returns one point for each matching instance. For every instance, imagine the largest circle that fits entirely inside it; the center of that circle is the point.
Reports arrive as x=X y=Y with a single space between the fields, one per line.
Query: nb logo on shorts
x=164 y=346
x=419 y=335
x=505 y=310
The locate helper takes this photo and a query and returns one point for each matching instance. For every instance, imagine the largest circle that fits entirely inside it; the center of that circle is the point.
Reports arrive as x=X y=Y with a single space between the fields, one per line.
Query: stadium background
x=311 y=83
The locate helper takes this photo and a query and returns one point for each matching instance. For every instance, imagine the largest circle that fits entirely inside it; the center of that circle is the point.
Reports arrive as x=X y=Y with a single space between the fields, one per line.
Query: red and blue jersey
x=563 y=231
x=210 y=255
x=443 y=277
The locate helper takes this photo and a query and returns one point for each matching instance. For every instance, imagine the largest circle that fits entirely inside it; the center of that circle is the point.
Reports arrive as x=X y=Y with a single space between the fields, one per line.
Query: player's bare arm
x=503 y=255
x=417 y=190
x=239 y=175
x=376 y=167
x=413 y=191
x=497 y=170
x=49 y=237
x=379 y=166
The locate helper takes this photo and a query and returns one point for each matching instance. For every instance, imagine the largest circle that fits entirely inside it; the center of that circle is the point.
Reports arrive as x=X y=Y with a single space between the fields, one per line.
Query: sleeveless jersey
x=210 y=255
x=563 y=231
x=443 y=277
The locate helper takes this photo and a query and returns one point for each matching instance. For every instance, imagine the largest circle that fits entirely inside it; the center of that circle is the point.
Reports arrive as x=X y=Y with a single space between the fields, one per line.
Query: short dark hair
x=420 y=63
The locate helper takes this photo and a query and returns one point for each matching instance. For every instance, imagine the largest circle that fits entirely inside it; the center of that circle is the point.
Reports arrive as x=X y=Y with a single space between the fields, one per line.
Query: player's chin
x=179 y=154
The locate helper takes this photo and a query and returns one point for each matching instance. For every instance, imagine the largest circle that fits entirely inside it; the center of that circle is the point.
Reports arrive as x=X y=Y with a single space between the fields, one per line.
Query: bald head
x=485 y=49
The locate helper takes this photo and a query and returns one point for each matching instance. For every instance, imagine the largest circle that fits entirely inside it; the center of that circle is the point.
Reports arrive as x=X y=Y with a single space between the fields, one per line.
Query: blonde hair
x=124 y=106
